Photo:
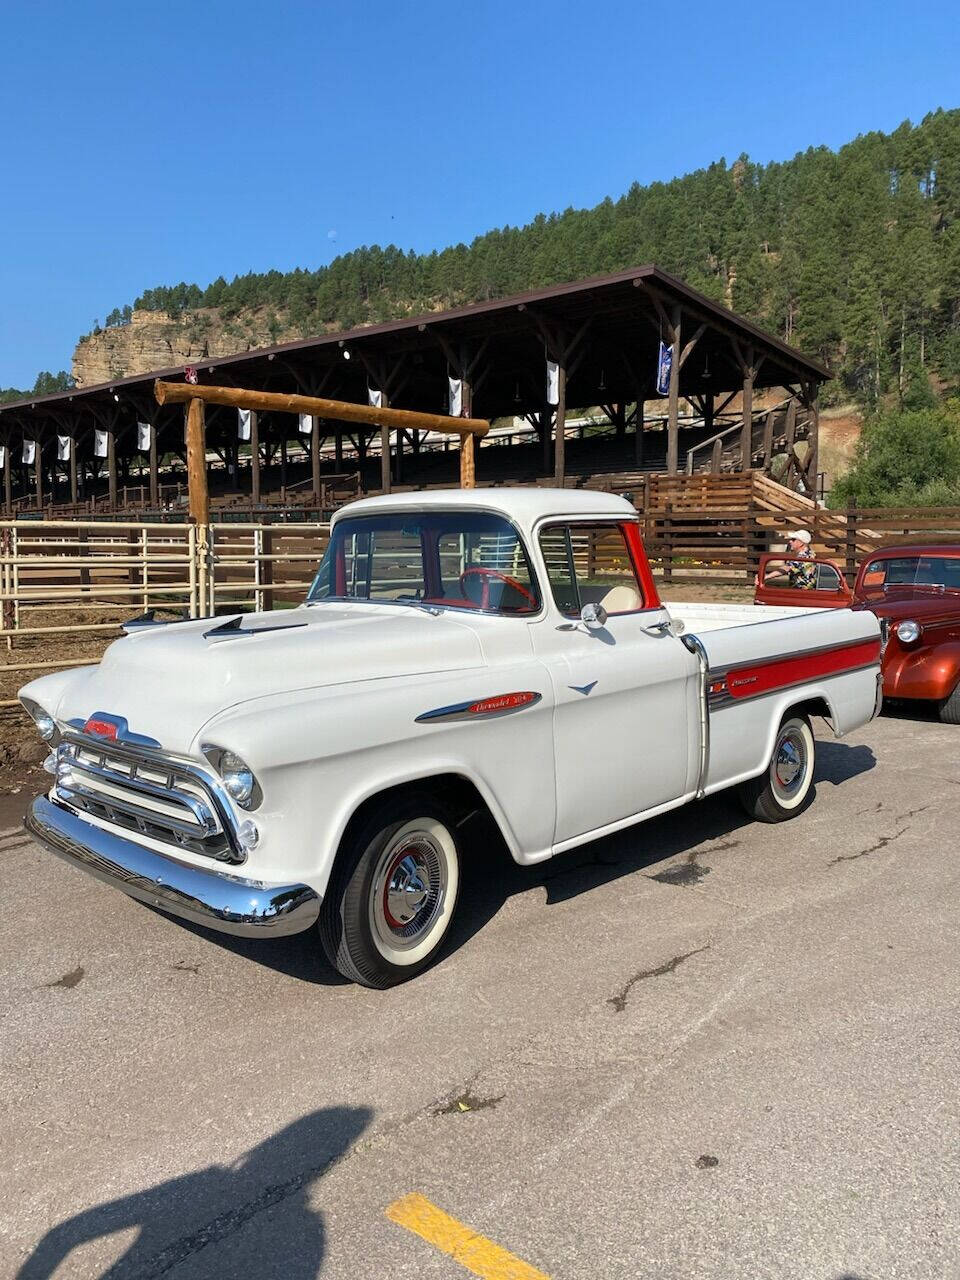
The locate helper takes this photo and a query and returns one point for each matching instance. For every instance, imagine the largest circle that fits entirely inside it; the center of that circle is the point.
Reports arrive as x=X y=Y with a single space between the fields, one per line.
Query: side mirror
x=593 y=616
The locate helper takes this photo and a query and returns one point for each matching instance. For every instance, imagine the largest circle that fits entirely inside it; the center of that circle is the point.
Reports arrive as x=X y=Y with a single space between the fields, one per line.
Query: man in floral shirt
x=801 y=570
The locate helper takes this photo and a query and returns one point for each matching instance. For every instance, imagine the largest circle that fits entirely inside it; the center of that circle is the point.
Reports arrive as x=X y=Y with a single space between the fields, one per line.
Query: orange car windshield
x=941 y=572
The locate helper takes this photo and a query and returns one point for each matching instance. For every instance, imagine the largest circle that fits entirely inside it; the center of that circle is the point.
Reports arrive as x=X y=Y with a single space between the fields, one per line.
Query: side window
x=827 y=578
x=590 y=564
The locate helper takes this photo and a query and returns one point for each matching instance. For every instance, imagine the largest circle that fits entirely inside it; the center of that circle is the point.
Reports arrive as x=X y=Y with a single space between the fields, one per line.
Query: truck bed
x=702 y=618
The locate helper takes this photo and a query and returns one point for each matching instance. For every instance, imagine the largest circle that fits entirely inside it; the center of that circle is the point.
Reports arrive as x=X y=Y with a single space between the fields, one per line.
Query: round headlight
x=908 y=632
x=238 y=780
x=46 y=725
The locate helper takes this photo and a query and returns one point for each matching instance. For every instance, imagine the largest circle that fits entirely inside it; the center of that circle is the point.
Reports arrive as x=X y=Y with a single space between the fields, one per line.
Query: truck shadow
x=255 y=1216
x=687 y=832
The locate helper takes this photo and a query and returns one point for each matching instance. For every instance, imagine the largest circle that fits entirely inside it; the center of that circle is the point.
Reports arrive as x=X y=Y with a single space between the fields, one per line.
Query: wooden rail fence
x=66 y=586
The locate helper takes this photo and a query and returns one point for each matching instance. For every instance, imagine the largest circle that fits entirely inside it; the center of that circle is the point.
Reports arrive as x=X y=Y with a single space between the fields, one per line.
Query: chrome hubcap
x=409 y=889
x=790 y=764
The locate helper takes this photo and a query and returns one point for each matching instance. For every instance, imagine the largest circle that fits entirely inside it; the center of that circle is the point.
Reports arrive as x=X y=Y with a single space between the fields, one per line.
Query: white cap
x=800 y=535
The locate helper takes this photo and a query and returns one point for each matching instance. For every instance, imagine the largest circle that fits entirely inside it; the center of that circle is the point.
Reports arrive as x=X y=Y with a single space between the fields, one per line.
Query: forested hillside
x=852 y=255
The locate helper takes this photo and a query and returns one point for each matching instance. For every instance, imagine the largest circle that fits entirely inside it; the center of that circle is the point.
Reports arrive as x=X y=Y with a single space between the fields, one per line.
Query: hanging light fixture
x=706 y=368
x=516 y=393
x=603 y=382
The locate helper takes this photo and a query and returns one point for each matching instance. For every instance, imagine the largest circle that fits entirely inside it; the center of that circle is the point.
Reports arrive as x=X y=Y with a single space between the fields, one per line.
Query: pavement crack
x=467 y=1101
x=69 y=980
x=230 y=1221
x=912 y=813
x=864 y=853
x=182 y=967
x=619 y=1002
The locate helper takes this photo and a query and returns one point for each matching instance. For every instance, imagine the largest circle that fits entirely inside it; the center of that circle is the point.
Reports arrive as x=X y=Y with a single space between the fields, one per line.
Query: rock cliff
x=155 y=340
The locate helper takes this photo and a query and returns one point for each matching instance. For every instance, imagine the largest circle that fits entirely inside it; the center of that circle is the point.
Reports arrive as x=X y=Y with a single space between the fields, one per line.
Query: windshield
x=914 y=571
x=460 y=560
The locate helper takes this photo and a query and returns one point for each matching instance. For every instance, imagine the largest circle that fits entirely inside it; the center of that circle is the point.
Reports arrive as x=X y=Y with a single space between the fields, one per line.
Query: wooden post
x=199 y=498
x=708 y=411
x=384 y=449
x=813 y=444
x=254 y=457
x=850 y=567
x=73 y=470
x=315 y=456
x=673 y=400
x=768 y=441
x=560 y=423
x=716 y=456
x=8 y=482
x=338 y=452
x=746 y=431
x=154 y=468
x=112 y=467
x=38 y=471
x=468 y=472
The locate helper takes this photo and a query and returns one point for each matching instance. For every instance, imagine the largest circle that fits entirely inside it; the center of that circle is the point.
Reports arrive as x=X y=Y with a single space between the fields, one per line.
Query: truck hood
x=167 y=681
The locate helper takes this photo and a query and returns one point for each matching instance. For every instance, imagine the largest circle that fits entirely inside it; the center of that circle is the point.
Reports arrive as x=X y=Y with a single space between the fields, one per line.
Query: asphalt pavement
x=703 y=1048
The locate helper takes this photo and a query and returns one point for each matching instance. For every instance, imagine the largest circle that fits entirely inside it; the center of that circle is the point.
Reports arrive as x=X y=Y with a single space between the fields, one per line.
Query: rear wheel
x=784 y=789
x=950 y=708
x=392 y=893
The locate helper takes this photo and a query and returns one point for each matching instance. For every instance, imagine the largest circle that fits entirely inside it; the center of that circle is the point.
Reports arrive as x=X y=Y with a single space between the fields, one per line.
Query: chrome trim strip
x=461 y=710
x=718 y=673
x=229 y=904
x=721 y=700
x=697 y=648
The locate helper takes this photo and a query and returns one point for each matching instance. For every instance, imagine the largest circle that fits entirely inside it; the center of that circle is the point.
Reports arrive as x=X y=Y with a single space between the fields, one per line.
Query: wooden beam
x=197 y=463
x=339 y=410
x=673 y=401
x=689 y=346
x=384 y=449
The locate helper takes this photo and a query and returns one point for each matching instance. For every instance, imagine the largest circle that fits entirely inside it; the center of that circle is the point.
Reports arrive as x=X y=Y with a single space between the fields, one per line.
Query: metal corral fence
x=66 y=586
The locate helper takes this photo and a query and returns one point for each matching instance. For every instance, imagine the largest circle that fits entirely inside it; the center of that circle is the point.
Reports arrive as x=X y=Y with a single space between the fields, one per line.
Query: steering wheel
x=484 y=576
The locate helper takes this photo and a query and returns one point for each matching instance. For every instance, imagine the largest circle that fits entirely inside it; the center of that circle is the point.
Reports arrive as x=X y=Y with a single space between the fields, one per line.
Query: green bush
x=907 y=457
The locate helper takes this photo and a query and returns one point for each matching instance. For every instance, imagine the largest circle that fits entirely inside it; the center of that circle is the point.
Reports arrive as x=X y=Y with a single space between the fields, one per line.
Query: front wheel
x=784 y=789
x=950 y=708
x=392 y=893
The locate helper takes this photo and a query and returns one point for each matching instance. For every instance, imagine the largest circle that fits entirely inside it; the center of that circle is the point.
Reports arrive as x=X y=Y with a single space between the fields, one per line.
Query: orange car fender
x=930 y=673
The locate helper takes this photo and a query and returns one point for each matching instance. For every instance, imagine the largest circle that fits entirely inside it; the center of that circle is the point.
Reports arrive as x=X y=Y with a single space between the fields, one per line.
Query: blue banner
x=664 y=365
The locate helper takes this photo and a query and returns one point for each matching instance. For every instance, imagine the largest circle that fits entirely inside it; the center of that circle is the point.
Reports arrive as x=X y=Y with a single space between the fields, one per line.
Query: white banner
x=306 y=424
x=243 y=424
x=63 y=448
x=100 y=444
x=29 y=451
x=3 y=456
x=143 y=436
x=553 y=382
x=455 y=397
x=375 y=398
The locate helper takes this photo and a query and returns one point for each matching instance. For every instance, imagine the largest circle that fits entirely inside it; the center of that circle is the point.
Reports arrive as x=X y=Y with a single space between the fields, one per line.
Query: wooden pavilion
x=536 y=359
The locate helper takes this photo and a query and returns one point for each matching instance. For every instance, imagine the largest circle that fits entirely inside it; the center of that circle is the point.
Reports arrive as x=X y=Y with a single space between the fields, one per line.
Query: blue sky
x=147 y=144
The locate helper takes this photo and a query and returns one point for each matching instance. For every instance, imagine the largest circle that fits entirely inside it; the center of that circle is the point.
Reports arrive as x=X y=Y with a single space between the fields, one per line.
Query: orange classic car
x=913 y=590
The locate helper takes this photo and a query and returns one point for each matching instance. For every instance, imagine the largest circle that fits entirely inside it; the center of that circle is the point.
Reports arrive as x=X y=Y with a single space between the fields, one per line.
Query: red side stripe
x=749 y=681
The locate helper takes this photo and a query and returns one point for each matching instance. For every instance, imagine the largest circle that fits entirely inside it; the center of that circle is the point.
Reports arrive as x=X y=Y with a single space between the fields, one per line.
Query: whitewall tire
x=785 y=788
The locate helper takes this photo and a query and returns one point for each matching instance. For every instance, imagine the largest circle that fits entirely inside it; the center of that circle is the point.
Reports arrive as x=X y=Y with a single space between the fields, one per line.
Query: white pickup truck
x=498 y=650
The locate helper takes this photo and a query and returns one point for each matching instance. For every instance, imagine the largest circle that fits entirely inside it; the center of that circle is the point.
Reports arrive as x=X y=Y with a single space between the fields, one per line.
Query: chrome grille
x=145 y=793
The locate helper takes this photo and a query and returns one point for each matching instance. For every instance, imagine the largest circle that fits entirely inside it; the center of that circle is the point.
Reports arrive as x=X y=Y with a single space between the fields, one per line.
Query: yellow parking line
x=476 y=1253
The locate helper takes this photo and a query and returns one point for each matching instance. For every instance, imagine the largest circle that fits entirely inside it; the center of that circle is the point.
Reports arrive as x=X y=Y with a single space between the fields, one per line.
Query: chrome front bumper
x=228 y=903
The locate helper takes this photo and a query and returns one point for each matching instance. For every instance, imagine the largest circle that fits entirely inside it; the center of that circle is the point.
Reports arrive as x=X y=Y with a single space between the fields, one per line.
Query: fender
x=373 y=786
x=929 y=673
